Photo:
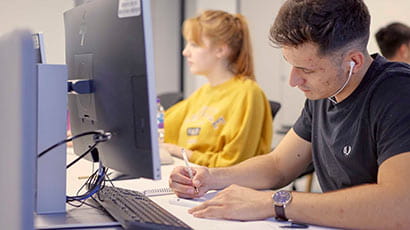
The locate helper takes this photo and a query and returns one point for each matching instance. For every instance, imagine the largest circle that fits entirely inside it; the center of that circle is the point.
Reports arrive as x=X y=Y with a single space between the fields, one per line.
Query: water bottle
x=160 y=121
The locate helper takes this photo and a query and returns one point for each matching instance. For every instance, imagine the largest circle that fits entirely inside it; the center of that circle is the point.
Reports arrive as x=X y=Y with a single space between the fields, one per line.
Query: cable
x=93 y=183
x=332 y=98
x=96 y=180
x=82 y=155
x=83 y=202
x=99 y=136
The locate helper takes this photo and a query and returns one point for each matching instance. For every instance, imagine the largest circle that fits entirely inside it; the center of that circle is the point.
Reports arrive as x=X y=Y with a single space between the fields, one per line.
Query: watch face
x=282 y=197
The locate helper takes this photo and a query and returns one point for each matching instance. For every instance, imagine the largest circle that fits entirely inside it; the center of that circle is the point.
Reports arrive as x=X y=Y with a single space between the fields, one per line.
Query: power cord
x=99 y=136
x=94 y=183
x=91 y=148
x=96 y=180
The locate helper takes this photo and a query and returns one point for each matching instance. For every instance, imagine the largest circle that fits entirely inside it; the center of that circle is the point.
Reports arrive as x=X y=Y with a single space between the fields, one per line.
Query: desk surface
x=87 y=216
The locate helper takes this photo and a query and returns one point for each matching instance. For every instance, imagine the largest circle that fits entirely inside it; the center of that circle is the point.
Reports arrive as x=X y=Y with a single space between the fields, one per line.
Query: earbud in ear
x=352 y=64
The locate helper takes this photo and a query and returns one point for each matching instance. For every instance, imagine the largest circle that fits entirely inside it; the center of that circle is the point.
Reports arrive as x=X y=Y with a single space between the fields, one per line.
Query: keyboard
x=134 y=210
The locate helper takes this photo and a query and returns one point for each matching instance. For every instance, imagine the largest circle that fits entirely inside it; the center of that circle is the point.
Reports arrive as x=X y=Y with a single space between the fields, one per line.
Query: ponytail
x=242 y=64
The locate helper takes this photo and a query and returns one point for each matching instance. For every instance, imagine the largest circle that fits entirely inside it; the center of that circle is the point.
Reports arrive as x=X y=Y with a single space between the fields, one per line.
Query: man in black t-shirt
x=354 y=127
x=354 y=136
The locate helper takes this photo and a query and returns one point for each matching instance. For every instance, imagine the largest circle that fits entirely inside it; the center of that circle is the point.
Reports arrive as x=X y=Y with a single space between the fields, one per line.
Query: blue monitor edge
x=18 y=98
x=121 y=67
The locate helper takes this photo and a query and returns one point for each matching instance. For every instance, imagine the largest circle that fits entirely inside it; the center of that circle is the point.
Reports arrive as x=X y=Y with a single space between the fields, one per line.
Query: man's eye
x=307 y=71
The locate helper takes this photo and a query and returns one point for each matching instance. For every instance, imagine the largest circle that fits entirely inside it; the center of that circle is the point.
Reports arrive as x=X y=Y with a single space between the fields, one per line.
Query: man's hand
x=237 y=203
x=183 y=186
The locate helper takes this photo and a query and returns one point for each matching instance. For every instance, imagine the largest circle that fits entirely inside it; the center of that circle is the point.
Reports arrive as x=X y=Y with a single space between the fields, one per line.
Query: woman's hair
x=224 y=28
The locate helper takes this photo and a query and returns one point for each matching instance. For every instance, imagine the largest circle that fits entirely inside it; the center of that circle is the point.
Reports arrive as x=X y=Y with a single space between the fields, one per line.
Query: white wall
x=40 y=16
x=166 y=29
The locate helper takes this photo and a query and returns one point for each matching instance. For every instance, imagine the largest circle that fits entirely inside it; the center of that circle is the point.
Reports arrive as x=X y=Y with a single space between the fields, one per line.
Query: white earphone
x=331 y=98
x=352 y=64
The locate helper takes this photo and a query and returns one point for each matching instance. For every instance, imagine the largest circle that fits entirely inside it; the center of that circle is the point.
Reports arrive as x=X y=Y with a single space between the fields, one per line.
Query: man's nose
x=294 y=79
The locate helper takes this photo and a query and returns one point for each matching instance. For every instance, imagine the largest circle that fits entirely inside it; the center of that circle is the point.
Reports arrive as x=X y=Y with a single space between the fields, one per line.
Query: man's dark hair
x=329 y=24
x=391 y=37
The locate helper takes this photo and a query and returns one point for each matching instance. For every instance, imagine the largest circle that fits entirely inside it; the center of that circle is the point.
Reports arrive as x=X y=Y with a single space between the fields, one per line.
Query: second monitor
x=109 y=46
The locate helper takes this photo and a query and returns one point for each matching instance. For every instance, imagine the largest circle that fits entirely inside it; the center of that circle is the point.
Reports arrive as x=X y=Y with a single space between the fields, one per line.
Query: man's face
x=318 y=77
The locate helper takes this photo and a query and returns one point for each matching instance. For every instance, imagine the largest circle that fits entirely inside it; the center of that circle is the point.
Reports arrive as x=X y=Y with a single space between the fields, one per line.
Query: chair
x=309 y=178
x=308 y=172
x=274 y=108
x=169 y=99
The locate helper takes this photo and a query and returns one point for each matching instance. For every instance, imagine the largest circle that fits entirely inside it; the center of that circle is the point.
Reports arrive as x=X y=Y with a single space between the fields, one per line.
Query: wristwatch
x=280 y=200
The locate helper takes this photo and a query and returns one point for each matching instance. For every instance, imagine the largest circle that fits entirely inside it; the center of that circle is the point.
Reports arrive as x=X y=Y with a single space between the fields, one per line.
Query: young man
x=355 y=127
x=394 y=42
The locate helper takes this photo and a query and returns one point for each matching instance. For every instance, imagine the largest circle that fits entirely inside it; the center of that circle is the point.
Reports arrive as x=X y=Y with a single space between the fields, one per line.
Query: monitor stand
x=74 y=217
x=51 y=129
x=115 y=175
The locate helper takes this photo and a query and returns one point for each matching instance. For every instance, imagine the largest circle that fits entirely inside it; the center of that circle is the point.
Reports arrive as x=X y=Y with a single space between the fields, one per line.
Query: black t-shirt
x=351 y=139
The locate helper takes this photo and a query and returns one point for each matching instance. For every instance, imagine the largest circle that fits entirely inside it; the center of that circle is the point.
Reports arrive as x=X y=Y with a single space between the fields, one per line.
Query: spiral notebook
x=158 y=191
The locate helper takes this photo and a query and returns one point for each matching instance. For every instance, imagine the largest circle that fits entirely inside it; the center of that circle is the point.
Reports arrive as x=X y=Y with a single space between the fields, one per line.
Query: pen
x=191 y=175
x=295 y=225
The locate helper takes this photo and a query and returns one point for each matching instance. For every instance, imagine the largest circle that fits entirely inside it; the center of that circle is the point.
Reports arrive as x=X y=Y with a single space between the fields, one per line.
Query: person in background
x=228 y=120
x=394 y=42
x=354 y=127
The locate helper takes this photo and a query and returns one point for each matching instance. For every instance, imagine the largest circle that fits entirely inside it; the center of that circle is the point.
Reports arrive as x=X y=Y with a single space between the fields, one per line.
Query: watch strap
x=280 y=213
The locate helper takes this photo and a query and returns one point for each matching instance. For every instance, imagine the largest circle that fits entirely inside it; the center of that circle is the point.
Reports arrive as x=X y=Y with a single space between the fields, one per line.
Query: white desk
x=83 y=168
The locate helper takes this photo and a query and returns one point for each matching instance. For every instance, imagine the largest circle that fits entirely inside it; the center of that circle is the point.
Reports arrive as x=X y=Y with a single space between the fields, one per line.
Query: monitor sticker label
x=129 y=8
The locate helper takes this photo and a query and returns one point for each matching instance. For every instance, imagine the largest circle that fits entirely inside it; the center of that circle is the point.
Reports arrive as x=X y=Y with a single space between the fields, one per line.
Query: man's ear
x=358 y=58
x=403 y=51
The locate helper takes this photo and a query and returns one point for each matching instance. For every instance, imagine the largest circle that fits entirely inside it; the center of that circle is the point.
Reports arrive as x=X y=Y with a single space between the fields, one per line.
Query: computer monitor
x=18 y=136
x=109 y=43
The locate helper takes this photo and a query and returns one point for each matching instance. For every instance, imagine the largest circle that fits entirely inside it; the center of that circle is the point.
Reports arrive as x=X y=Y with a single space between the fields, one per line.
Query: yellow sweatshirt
x=222 y=125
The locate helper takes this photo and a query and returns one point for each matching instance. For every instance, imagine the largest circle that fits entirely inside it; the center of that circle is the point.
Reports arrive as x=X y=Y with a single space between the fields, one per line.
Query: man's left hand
x=237 y=203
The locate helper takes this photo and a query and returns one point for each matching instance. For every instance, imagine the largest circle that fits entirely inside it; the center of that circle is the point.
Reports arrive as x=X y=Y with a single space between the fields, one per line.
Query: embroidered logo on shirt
x=220 y=121
x=347 y=150
x=205 y=114
x=193 y=131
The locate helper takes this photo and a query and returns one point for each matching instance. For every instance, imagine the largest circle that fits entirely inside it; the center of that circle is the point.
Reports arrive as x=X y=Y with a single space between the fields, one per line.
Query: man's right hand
x=183 y=186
